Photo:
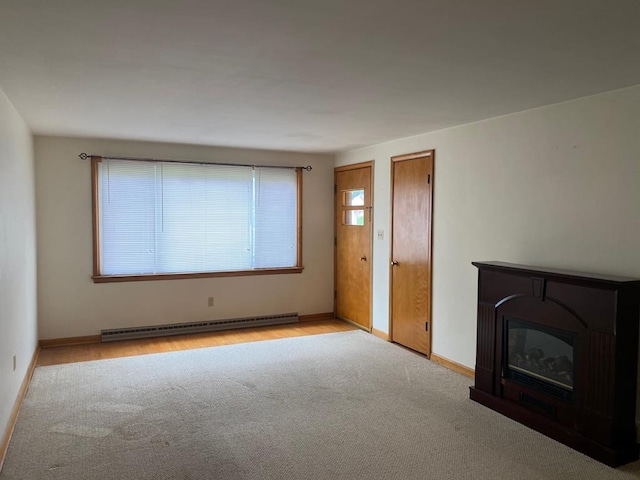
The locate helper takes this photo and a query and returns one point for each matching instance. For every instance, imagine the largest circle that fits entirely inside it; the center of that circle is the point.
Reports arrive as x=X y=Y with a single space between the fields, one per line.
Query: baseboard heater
x=195 y=327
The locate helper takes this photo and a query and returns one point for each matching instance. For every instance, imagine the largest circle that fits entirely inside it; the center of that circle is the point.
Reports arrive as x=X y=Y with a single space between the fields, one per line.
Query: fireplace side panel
x=628 y=302
x=597 y=419
x=485 y=350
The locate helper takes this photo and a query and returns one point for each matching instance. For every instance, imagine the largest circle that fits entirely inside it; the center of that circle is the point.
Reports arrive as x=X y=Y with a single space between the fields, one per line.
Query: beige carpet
x=334 y=406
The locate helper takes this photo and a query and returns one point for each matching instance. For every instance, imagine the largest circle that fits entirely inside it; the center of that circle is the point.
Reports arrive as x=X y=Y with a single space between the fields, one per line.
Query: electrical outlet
x=14 y=363
x=211 y=301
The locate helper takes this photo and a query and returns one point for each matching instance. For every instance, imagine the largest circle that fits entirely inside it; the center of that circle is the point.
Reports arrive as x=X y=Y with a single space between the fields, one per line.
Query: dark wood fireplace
x=558 y=352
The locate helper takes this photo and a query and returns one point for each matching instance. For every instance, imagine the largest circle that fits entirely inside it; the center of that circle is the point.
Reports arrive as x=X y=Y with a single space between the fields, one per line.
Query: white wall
x=557 y=186
x=70 y=304
x=18 y=330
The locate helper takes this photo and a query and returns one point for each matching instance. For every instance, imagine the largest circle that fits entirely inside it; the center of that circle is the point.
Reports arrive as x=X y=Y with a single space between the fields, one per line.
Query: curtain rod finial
x=84 y=156
x=308 y=168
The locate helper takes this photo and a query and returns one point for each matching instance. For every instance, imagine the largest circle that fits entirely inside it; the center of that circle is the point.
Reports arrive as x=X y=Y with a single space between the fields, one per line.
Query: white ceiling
x=316 y=76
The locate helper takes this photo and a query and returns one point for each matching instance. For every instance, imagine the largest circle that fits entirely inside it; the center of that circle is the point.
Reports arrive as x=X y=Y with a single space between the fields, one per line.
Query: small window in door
x=353 y=217
x=353 y=198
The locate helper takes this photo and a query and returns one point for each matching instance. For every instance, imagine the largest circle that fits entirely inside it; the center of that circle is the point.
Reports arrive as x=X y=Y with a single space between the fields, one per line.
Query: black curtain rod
x=85 y=156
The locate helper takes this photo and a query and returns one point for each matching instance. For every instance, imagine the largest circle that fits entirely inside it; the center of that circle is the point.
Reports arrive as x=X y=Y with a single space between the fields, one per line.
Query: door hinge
x=429 y=179
x=335 y=241
x=335 y=294
x=335 y=189
x=426 y=326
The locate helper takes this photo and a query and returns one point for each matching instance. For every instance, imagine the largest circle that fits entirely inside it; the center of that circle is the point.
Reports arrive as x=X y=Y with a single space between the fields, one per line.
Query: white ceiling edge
x=490 y=119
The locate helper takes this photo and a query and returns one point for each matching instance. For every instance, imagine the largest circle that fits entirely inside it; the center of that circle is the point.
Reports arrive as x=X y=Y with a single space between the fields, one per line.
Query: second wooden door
x=411 y=251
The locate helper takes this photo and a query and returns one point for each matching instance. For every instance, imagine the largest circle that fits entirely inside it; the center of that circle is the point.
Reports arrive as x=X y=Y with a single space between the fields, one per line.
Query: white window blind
x=159 y=217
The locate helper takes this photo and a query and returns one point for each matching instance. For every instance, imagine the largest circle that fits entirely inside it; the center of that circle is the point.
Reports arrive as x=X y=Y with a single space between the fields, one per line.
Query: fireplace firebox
x=539 y=358
x=558 y=352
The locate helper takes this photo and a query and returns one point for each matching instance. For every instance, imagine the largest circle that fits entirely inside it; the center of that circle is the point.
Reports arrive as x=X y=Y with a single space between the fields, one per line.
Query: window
x=350 y=199
x=156 y=219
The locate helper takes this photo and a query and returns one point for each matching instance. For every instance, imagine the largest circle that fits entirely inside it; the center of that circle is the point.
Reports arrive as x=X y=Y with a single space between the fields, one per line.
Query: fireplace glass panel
x=543 y=354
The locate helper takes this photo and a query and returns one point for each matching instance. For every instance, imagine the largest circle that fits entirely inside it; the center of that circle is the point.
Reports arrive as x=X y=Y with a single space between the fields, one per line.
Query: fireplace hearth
x=558 y=352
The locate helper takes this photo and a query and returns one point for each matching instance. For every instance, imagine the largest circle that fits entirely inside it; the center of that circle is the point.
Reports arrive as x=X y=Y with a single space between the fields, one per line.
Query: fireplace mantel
x=589 y=401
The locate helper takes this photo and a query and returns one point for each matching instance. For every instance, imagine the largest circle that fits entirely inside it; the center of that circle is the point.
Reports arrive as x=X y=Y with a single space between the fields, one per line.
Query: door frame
x=336 y=170
x=399 y=158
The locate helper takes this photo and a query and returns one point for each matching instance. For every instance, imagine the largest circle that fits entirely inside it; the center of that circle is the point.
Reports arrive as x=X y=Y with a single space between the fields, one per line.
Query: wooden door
x=353 y=244
x=411 y=223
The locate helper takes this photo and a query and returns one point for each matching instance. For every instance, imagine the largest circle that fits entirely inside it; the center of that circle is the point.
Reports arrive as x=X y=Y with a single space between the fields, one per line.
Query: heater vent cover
x=195 y=327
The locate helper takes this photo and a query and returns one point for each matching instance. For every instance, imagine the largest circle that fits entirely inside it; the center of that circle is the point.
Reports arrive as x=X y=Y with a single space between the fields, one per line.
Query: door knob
x=394 y=263
x=363 y=259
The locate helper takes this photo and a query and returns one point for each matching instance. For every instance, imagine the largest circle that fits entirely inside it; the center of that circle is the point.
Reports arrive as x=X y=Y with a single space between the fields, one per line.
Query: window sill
x=186 y=276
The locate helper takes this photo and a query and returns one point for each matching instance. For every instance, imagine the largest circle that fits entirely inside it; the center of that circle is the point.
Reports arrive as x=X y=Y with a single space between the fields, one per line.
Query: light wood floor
x=128 y=348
